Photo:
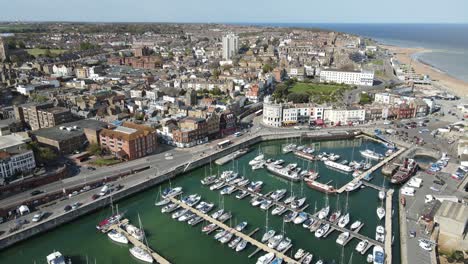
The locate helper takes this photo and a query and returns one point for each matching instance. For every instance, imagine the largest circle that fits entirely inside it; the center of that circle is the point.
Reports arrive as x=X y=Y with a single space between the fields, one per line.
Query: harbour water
x=180 y=243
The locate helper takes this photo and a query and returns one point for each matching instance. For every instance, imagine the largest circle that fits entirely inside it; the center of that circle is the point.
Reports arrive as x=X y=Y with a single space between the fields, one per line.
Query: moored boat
x=268 y=235
x=367 y=153
x=117 y=237
x=141 y=254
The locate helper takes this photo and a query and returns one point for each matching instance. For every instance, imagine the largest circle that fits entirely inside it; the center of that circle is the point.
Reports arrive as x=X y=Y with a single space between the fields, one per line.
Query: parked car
x=38 y=217
x=36 y=192
x=76 y=205
x=67 y=208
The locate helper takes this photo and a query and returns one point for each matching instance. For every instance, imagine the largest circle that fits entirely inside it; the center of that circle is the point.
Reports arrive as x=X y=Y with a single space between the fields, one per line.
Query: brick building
x=42 y=115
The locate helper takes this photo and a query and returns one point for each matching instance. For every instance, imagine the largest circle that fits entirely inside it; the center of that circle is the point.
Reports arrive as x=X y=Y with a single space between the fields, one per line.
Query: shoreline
x=440 y=78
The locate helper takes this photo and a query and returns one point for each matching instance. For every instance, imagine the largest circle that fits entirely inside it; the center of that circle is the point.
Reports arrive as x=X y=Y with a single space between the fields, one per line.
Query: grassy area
x=37 y=52
x=377 y=62
x=105 y=161
x=319 y=92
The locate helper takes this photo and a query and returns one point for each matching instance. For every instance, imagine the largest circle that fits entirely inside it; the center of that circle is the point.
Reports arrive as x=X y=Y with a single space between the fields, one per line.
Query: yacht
x=371 y=154
x=226 y=238
x=242 y=245
x=268 y=235
x=361 y=246
x=342 y=238
x=274 y=241
x=380 y=233
x=227 y=190
x=379 y=255
x=206 y=208
x=290 y=199
x=192 y=200
x=381 y=195
x=135 y=232
x=208 y=180
x=334 y=157
x=380 y=212
x=234 y=242
x=257 y=160
x=278 y=162
x=255 y=186
x=141 y=254
x=284 y=244
x=170 y=208
x=357 y=173
x=225 y=216
x=265 y=259
x=343 y=220
x=308 y=259
x=265 y=205
x=117 y=237
x=299 y=254
x=324 y=212
x=322 y=230
x=55 y=258
x=162 y=202
x=242 y=194
x=186 y=217
x=217 y=185
x=171 y=192
x=241 y=226
x=298 y=203
x=195 y=220
x=334 y=217
x=220 y=234
x=278 y=194
x=355 y=225
x=290 y=216
x=300 y=218
x=308 y=223
x=316 y=225
x=256 y=201
x=278 y=210
x=258 y=166
x=338 y=166
x=209 y=228
x=288 y=148
x=217 y=214
x=179 y=213
x=353 y=186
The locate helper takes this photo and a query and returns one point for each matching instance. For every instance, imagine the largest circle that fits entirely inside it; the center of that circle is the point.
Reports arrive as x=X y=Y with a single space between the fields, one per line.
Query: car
x=38 y=217
x=76 y=205
x=412 y=234
x=237 y=134
x=296 y=127
x=67 y=208
x=95 y=196
x=91 y=168
x=36 y=192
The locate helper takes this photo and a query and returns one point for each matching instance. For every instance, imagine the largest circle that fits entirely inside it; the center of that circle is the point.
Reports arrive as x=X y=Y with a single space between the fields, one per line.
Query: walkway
x=388 y=227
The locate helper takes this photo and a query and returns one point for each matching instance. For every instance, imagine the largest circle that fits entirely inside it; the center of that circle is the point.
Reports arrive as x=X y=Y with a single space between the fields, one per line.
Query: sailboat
x=163 y=201
x=324 y=211
x=344 y=219
x=268 y=233
x=337 y=213
x=141 y=253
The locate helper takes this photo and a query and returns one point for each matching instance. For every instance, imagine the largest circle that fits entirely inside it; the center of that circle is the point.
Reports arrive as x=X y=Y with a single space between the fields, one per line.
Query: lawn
x=320 y=92
x=105 y=161
x=37 y=52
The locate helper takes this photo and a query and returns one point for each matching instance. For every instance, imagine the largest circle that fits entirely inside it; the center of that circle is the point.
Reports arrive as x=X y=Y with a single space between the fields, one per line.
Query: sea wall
x=151 y=181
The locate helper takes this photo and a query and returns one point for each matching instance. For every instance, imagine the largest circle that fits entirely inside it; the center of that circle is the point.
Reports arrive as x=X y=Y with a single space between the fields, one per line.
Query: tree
x=216 y=91
x=94 y=149
x=267 y=68
x=298 y=98
x=87 y=46
x=38 y=98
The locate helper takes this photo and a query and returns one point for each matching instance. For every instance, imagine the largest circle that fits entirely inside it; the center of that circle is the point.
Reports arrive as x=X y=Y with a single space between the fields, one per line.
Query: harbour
x=175 y=235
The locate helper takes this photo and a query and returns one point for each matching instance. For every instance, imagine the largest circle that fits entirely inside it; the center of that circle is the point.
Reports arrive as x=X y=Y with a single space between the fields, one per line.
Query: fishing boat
x=367 y=153
x=278 y=194
x=241 y=226
x=217 y=214
x=171 y=192
x=141 y=254
x=208 y=180
x=234 y=242
x=290 y=216
x=324 y=212
x=322 y=230
x=405 y=171
x=380 y=212
x=117 y=237
x=55 y=258
x=162 y=202
x=361 y=246
x=209 y=228
x=355 y=225
x=353 y=186
x=343 y=220
x=300 y=218
x=299 y=253
x=342 y=238
x=265 y=259
x=307 y=223
x=298 y=203
x=242 y=245
x=378 y=255
x=274 y=241
x=284 y=244
x=268 y=235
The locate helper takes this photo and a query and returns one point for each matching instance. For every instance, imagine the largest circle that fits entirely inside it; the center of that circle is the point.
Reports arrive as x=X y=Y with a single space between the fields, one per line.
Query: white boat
x=141 y=254
x=241 y=226
x=242 y=194
x=307 y=223
x=162 y=202
x=300 y=218
x=206 y=208
x=186 y=217
x=220 y=234
x=284 y=244
x=268 y=235
x=265 y=205
x=308 y=258
x=227 y=190
x=274 y=241
x=299 y=254
x=357 y=173
x=234 y=242
x=361 y=246
x=381 y=195
x=255 y=186
x=257 y=160
x=117 y=237
x=208 y=180
x=370 y=258
x=380 y=233
x=195 y=220
x=265 y=259
x=336 y=165
x=278 y=162
x=278 y=210
x=380 y=212
x=225 y=216
x=290 y=216
x=371 y=154
x=191 y=200
x=179 y=213
x=290 y=199
x=342 y=238
x=242 y=245
x=171 y=192
x=378 y=255
x=170 y=208
x=353 y=186
x=355 y=225
x=322 y=230
x=217 y=214
x=226 y=238
x=135 y=232
x=334 y=157
x=298 y=203
x=256 y=201
x=324 y=212
x=217 y=185
x=243 y=183
x=343 y=220
x=258 y=166
x=278 y=194
x=55 y=258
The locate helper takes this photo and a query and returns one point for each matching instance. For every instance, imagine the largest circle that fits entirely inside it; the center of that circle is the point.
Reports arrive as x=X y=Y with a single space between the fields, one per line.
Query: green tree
x=267 y=68
x=94 y=149
x=216 y=91
x=38 y=98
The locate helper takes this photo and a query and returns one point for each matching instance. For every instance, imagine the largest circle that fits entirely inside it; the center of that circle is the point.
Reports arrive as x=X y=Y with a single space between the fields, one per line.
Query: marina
x=177 y=234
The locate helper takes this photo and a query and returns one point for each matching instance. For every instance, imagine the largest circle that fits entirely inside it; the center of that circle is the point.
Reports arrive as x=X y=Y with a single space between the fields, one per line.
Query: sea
x=448 y=42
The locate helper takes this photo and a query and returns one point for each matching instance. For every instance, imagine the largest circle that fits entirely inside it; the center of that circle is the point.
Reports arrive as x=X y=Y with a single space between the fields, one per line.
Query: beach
x=440 y=79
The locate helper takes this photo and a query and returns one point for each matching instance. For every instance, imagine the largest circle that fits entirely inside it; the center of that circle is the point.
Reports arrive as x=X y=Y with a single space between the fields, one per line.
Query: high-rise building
x=3 y=50
x=230 y=46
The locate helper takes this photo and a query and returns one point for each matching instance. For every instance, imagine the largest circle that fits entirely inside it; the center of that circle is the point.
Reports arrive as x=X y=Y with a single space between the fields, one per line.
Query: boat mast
x=266 y=222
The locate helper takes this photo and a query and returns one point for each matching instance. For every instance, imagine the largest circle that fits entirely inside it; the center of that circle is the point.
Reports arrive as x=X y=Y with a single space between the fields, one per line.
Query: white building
x=230 y=46
x=365 y=78
x=12 y=163
x=25 y=89
x=136 y=93
x=272 y=113
x=344 y=115
x=62 y=70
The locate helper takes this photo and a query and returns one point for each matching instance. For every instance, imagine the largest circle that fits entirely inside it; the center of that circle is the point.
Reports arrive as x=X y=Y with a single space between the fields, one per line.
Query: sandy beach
x=440 y=79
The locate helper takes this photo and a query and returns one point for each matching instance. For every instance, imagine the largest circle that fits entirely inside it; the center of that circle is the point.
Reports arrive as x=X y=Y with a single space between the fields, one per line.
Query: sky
x=237 y=11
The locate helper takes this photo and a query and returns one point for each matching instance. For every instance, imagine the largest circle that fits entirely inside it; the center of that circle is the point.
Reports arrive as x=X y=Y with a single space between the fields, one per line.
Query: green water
x=181 y=243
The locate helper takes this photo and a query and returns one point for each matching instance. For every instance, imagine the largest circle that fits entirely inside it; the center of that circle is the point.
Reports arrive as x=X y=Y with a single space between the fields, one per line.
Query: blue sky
x=275 y=11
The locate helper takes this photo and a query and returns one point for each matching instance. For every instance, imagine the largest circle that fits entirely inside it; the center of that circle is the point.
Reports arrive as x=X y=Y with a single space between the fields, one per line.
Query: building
x=129 y=141
x=272 y=113
x=3 y=50
x=343 y=116
x=42 y=115
x=230 y=46
x=191 y=98
x=70 y=137
x=16 y=162
x=452 y=219
x=364 y=78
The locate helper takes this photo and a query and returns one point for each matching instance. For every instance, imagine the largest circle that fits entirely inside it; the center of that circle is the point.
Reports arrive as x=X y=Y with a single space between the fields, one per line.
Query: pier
x=158 y=258
x=388 y=227
x=371 y=170
x=235 y=232
x=378 y=188
x=232 y=156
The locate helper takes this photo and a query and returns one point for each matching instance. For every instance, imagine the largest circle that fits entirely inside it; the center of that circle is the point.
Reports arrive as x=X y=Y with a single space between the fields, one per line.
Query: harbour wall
x=153 y=180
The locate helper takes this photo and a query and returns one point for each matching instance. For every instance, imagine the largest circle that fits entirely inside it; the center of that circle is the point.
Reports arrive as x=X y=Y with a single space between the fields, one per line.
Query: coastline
x=439 y=78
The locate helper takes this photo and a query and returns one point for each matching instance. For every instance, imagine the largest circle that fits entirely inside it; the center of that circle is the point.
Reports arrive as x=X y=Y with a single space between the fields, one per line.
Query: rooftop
x=55 y=133
x=12 y=140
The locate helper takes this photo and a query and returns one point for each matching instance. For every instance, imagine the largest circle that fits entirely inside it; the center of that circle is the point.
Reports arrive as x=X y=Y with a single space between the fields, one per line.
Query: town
x=84 y=106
